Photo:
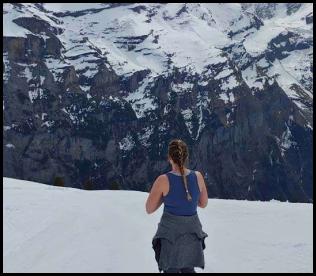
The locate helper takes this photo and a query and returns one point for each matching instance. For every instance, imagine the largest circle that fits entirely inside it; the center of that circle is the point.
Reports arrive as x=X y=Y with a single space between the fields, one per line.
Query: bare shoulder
x=163 y=183
x=200 y=180
x=199 y=175
x=162 y=178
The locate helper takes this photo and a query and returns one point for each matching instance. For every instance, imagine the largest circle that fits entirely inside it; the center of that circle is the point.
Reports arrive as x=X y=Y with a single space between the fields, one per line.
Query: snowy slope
x=54 y=229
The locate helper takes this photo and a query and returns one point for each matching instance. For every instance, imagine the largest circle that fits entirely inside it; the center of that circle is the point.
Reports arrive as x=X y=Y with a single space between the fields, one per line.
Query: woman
x=179 y=240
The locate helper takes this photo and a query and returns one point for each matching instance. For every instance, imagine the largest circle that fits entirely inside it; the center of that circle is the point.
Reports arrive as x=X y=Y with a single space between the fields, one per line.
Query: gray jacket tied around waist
x=179 y=242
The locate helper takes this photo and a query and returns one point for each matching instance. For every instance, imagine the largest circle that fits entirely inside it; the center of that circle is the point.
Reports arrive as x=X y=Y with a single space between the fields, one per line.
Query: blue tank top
x=175 y=202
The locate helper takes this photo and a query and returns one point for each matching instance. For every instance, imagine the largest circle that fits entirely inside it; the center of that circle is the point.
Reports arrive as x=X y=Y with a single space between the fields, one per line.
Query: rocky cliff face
x=93 y=93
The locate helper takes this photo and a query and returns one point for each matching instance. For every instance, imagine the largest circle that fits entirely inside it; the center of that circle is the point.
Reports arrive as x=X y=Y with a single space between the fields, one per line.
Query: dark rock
x=309 y=18
x=37 y=26
x=257 y=147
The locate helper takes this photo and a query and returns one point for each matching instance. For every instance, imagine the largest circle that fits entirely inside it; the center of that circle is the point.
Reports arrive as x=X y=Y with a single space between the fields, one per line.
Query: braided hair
x=178 y=152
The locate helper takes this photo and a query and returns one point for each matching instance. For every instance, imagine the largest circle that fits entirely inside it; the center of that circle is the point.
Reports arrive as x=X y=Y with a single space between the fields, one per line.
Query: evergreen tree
x=88 y=184
x=59 y=181
x=115 y=185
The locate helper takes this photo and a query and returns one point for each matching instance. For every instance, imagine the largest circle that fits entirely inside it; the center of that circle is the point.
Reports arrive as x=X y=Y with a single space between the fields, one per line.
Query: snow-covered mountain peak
x=131 y=76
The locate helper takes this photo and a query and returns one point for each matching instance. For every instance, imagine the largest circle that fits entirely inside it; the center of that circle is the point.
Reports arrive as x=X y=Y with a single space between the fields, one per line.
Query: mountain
x=93 y=93
x=54 y=229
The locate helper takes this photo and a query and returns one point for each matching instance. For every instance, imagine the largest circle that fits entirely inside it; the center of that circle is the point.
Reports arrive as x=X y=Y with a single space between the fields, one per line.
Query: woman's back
x=179 y=240
x=175 y=202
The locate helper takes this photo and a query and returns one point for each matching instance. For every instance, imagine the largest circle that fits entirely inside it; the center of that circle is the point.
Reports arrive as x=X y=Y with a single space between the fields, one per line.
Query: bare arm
x=203 y=196
x=154 y=199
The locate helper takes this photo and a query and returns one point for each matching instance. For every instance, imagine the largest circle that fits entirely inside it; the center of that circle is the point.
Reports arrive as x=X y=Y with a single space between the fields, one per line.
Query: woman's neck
x=177 y=170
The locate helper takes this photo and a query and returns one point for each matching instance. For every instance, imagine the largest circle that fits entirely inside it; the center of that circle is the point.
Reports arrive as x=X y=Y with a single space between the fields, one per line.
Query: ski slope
x=55 y=229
